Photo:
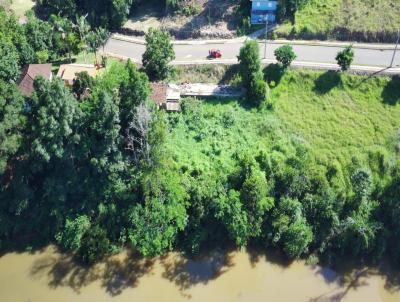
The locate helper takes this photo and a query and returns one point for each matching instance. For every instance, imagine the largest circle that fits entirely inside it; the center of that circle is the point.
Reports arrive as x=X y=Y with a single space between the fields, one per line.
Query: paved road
x=305 y=53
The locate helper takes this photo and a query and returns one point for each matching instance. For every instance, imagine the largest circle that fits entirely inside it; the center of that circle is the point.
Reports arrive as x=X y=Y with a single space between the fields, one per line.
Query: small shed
x=29 y=73
x=261 y=10
x=68 y=72
x=166 y=96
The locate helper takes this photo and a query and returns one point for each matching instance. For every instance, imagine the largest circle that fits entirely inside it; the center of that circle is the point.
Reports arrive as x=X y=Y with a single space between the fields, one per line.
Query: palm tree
x=83 y=29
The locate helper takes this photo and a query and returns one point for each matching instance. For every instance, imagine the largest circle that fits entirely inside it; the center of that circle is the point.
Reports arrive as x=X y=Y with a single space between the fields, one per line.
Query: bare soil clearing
x=215 y=19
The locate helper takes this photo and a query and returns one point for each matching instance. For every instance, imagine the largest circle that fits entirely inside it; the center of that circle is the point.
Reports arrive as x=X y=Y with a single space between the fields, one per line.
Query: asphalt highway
x=305 y=53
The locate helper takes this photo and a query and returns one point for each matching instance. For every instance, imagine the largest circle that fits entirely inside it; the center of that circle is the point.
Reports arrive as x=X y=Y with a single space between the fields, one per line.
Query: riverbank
x=231 y=276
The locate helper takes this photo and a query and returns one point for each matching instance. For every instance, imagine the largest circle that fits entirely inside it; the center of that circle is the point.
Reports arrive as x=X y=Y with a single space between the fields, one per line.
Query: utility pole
x=266 y=36
x=395 y=49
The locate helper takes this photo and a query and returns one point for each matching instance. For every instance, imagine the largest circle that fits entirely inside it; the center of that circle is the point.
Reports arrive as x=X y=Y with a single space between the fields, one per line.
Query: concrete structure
x=206 y=90
x=166 y=96
x=262 y=9
x=29 y=74
x=68 y=72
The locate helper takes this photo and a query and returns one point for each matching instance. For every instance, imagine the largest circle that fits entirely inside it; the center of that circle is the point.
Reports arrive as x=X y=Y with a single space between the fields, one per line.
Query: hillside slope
x=352 y=20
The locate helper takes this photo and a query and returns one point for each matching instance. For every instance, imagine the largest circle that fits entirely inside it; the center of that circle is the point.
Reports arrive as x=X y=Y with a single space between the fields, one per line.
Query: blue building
x=262 y=9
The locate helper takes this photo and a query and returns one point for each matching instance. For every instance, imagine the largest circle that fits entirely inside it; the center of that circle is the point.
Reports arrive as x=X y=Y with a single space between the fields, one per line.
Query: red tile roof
x=30 y=73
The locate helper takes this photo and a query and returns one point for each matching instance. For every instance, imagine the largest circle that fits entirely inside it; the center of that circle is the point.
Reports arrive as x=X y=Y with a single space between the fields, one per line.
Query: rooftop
x=68 y=72
x=29 y=74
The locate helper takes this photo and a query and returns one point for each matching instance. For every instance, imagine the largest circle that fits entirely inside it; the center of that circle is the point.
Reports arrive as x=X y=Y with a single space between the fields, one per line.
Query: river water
x=232 y=276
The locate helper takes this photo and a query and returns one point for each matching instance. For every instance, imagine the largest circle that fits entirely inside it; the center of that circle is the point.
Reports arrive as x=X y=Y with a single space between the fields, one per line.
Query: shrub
x=345 y=57
x=285 y=55
x=257 y=91
x=42 y=56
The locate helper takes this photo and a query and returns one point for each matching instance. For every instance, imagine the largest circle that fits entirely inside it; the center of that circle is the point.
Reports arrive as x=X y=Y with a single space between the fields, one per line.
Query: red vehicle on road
x=214 y=54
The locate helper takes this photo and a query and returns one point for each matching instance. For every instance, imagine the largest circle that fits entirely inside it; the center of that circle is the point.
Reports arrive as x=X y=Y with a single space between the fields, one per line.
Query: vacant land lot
x=337 y=116
x=202 y=18
x=21 y=6
x=361 y=20
x=18 y=6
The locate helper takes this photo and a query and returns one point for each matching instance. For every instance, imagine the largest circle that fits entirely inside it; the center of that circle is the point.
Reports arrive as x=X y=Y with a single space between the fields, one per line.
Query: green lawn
x=337 y=116
x=362 y=20
x=20 y=7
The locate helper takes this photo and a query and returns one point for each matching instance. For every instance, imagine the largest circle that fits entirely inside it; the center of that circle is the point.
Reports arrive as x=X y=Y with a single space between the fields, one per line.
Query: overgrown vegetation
x=97 y=168
x=348 y=20
x=327 y=171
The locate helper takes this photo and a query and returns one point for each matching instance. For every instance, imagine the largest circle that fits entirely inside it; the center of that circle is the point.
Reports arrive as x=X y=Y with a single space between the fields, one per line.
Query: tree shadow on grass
x=230 y=73
x=273 y=74
x=391 y=92
x=327 y=81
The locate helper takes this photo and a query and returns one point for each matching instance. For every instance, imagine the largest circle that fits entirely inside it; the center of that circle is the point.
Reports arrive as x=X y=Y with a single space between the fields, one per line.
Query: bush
x=42 y=56
x=285 y=55
x=345 y=57
x=257 y=91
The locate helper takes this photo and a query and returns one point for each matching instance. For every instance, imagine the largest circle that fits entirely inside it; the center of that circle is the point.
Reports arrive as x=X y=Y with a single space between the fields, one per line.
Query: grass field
x=337 y=116
x=360 y=20
x=20 y=7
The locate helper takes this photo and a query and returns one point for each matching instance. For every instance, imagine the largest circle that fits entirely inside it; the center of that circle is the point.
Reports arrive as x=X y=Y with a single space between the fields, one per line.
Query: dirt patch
x=213 y=19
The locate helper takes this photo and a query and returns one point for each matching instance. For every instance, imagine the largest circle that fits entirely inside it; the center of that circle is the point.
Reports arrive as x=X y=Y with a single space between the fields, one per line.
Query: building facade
x=263 y=9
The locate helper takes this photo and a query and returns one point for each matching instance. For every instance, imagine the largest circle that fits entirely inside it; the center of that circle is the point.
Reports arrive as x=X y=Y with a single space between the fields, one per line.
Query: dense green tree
x=290 y=228
x=95 y=245
x=14 y=33
x=250 y=73
x=9 y=60
x=66 y=8
x=360 y=230
x=135 y=90
x=106 y=13
x=82 y=84
x=12 y=122
x=243 y=211
x=285 y=55
x=159 y=53
x=52 y=118
x=102 y=137
x=39 y=35
x=249 y=60
x=65 y=39
x=324 y=211
x=361 y=181
x=156 y=223
x=71 y=235
x=345 y=57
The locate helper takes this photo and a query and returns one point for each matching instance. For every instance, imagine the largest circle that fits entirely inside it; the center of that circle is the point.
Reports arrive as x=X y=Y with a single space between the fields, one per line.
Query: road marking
x=188 y=56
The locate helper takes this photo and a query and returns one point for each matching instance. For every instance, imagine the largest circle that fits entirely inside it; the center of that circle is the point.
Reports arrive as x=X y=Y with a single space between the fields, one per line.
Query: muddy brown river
x=233 y=276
